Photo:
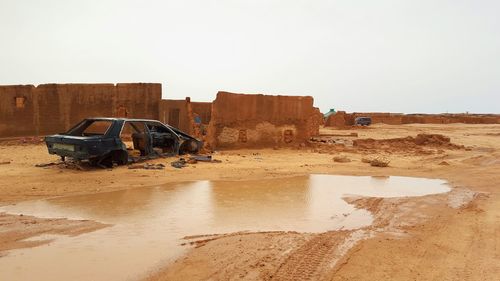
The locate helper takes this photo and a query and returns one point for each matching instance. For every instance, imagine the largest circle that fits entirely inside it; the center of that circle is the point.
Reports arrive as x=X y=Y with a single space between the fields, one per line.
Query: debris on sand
x=147 y=166
x=75 y=165
x=341 y=159
x=366 y=160
x=380 y=162
x=204 y=158
x=43 y=165
x=4 y=162
x=181 y=163
x=444 y=163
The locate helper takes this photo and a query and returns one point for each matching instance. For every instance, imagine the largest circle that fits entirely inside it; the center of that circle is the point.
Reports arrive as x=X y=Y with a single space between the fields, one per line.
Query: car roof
x=121 y=119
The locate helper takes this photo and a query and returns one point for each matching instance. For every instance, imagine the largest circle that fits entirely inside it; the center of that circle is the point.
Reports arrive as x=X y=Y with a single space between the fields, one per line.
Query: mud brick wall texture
x=203 y=110
x=26 y=110
x=176 y=113
x=255 y=120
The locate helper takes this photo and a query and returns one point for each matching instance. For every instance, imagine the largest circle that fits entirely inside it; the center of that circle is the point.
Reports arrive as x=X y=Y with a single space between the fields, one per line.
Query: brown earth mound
x=408 y=143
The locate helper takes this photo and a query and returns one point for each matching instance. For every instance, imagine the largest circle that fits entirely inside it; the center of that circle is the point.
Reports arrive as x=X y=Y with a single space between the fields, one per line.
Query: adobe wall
x=341 y=119
x=241 y=120
x=177 y=113
x=54 y=108
x=203 y=109
x=17 y=120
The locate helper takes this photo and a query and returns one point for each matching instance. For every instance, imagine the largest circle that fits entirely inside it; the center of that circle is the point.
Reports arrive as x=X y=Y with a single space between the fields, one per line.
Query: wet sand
x=434 y=237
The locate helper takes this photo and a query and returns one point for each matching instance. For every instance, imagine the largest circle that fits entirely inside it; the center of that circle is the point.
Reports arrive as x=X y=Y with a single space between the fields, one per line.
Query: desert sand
x=450 y=236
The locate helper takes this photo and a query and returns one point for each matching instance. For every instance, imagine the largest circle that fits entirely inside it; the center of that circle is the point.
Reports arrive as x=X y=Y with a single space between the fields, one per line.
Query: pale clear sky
x=385 y=55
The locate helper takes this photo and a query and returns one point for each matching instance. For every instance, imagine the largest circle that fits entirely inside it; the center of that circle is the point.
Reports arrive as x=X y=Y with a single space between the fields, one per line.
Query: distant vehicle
x=104 y=141
x=363 y=121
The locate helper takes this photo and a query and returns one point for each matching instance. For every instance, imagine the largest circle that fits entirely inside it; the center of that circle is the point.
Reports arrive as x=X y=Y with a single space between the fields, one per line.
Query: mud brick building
x=255 y=120
x=232 y=120
x=26 y=110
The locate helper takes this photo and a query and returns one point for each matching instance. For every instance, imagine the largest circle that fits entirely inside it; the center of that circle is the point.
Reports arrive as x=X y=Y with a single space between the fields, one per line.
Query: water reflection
x=148 y=223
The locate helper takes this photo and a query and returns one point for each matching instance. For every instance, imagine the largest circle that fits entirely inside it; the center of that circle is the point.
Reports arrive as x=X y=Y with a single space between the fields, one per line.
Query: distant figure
x=198 y=126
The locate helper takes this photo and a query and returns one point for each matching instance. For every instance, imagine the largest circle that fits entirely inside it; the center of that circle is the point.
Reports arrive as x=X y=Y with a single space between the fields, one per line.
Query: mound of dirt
x=432 y=139
x=341 y=159
x=407 y=143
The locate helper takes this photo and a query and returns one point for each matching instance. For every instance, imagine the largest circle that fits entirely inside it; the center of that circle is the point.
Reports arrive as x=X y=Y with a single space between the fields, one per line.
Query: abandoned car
x=104 y=141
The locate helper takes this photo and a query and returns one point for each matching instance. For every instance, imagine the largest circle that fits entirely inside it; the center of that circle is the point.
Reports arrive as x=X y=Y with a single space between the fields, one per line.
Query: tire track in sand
x=307 y=262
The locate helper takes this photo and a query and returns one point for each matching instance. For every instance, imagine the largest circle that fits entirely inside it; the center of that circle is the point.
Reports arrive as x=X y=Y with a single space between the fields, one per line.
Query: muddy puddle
x=149 y=223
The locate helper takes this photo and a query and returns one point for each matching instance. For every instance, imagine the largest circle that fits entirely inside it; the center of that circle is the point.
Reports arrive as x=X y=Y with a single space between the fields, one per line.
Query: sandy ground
x=452 y=236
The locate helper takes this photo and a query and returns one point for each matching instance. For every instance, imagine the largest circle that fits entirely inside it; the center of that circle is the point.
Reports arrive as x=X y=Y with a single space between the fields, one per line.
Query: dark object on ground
x=45 y=165
x=204 y=158
x=101 y=141
x=363 y=121
x=181 y=163
x=4 y=162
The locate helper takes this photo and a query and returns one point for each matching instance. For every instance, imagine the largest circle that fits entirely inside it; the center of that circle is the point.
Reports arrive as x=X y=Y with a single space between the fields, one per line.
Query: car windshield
x=90 y=128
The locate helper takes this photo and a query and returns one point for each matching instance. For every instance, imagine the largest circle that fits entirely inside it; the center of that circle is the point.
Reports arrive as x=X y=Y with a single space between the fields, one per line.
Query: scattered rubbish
x=204 y=158
x=380 y=162
x=181 y=163
x=322 y=140
x=45 y=165
x=341 y=159
x=147 y=166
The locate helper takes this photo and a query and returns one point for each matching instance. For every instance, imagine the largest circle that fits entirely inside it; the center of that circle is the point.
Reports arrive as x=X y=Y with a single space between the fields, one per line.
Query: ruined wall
x=18 y=109
x=54 y=108
x=315 y=121
x=338 y=119
x=140 y=100
x=177 y=113
x=451 y=118
x=240 y=120
x=203 y=109
x=341 y=119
